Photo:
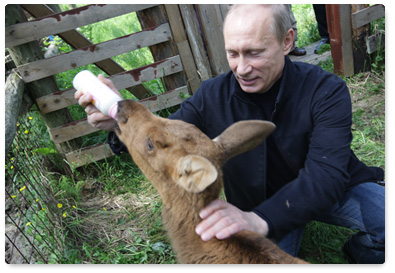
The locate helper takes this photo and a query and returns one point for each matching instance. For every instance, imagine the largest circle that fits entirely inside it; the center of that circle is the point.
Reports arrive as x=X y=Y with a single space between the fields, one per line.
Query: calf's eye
x=150 y=147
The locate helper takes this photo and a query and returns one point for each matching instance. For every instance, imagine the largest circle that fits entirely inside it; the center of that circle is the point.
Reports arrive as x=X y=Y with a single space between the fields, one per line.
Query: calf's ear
x=243 y=136
x=195 y=173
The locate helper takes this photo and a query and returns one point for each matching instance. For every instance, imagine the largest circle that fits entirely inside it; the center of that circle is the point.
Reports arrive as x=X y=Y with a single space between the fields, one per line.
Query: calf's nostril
x=120 y=105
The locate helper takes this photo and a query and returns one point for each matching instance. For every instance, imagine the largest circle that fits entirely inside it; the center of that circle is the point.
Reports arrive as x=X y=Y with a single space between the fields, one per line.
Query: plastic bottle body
x=103 y=97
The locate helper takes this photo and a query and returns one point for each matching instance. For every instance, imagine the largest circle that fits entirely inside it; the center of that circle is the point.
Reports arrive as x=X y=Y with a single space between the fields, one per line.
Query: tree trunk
x=31 y=52
x=13 y=98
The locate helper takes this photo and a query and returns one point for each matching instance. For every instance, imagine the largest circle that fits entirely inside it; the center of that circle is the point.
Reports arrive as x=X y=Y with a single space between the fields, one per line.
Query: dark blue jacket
x=306 y=165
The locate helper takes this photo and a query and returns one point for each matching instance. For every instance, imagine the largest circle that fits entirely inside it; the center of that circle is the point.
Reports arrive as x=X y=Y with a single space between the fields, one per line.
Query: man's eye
x=232 y=54
x=255 y=53
x=150 y=147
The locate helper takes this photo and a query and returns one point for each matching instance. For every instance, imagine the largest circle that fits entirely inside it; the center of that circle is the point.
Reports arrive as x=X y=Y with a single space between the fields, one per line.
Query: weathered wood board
x=79 y=57
x=33 y=30
x=122 y=80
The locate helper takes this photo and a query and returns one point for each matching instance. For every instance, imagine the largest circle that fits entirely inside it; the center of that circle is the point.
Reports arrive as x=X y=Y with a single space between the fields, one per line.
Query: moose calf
x=184 y=165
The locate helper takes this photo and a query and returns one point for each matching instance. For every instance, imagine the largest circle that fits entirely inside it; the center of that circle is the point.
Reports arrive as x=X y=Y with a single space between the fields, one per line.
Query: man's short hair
x=281 y=21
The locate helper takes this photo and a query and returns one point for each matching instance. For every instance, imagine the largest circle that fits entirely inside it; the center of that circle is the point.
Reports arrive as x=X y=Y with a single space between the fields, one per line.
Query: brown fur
x=185 y=167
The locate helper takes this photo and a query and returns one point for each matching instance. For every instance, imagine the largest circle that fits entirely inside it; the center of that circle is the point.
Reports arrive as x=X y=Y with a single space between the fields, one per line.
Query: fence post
x=180 y=39
x=31 y=52
x=211 y=19
x=359 y=34
x=192 y=28
x=153 y=17
x=340 y=33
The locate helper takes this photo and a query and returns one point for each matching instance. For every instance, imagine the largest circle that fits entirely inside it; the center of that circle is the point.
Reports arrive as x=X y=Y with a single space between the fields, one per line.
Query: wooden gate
x=172 y=32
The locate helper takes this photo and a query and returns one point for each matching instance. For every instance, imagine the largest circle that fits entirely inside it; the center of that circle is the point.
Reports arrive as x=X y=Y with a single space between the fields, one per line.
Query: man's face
x=255 y=55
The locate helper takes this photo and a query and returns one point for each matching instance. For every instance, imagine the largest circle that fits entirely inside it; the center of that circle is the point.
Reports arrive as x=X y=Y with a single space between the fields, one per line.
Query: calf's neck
x=184 y=165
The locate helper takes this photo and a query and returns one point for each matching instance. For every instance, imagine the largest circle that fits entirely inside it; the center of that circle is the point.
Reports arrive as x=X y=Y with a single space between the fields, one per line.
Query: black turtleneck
x=266 y=101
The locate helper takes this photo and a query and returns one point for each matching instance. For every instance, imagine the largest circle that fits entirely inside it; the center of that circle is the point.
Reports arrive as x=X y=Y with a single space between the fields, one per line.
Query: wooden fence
x=351 y=40
x=175 y=34
x=186 y=44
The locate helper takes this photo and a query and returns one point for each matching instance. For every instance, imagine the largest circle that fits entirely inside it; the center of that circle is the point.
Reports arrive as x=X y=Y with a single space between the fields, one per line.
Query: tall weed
x=306 y=24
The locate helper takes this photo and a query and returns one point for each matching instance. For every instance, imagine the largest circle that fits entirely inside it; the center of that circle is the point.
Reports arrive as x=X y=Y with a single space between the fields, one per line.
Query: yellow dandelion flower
x=74 y=207
x=11 y=167
x=43 y=209
x=26 y=132
x=23 y=188
x=60 y=205
x=30 y=118
x=64 y=215
x=104 y=208
x=28 y=224
x=17 y=125
x=13 y=196
x=37 y=200
x=12 y=159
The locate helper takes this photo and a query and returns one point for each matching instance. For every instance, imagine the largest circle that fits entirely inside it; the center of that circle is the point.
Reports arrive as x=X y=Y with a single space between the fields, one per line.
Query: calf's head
x=173 y=151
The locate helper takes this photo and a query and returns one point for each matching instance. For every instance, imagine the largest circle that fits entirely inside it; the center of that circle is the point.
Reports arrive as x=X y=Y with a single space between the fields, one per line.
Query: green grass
x=306 y=24
x=322 y=243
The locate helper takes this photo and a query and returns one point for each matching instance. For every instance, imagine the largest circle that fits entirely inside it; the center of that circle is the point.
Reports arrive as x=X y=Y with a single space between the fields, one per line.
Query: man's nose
x=243 y=67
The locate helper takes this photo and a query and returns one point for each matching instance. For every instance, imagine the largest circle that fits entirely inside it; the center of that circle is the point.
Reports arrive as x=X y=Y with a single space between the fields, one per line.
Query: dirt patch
x=367 y=91
x=113 y=217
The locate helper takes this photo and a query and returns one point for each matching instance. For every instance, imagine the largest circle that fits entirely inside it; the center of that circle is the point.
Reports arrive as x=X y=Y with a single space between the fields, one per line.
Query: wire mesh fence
x=33 y=218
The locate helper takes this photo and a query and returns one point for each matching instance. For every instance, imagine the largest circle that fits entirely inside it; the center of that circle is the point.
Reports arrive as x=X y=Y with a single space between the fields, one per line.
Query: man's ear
x=288 y=41
x=243 y=136
x=195 y=173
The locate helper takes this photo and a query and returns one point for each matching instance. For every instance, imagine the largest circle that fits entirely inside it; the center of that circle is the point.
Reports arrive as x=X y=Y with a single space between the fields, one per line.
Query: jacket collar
x=286 y=81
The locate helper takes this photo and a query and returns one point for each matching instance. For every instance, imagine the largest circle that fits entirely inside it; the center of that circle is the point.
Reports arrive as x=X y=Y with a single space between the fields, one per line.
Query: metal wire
x=26 y=194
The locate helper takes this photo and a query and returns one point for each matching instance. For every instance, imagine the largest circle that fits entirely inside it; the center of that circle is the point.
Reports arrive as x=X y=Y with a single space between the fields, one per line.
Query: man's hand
x=96 y=118
x=221 y=220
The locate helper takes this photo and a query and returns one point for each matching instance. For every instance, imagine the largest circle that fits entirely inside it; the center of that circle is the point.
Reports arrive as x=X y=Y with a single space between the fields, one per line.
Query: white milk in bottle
x=103 y=97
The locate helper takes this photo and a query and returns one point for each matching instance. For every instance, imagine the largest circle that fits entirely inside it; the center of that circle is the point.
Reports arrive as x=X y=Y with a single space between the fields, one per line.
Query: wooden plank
x=192 y=29
x=211 y=23
x=71 y=130
x=33 y=30
x=175 y=22
x=346 y=42
x=80 y=128
x=361 y=58
x=47 y=67
x=89 y=154
x=153 y=17
x=340 y=32
x=165 y=100
x=180 y=38
x=62 y=99
x=375 y=41
x=77 y=40
x=189 y=65
x=367 y=15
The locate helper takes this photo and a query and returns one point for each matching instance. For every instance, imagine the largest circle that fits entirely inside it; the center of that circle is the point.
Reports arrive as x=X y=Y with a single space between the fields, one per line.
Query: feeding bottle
x=103 y=97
